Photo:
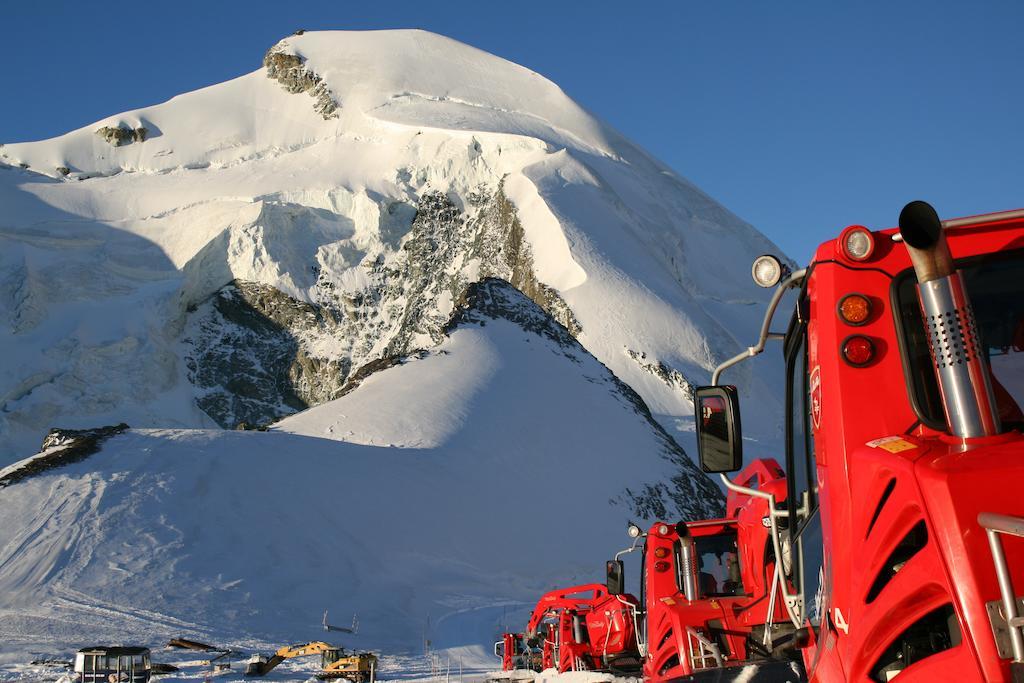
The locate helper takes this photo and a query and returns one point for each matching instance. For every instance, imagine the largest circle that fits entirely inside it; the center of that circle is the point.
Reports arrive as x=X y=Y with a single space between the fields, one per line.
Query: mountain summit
x=235 y=254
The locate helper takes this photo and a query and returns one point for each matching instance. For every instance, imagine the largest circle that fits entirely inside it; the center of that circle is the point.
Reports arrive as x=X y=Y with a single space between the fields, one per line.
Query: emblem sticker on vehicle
x=815 y=390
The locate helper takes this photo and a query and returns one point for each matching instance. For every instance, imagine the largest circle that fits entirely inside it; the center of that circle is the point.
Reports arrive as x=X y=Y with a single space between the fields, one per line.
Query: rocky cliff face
x=257 y=354
x=247 y=359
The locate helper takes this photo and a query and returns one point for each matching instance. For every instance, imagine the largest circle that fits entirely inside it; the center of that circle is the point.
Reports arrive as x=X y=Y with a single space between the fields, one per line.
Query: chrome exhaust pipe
x=577 y=629
x=960 y=362
x=688 y=564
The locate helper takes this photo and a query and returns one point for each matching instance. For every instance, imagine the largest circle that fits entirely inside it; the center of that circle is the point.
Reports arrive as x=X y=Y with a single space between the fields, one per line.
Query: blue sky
x=801 y=117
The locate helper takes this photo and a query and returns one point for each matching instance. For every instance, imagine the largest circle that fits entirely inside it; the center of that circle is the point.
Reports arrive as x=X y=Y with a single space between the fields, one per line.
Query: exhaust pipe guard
x=958 y=358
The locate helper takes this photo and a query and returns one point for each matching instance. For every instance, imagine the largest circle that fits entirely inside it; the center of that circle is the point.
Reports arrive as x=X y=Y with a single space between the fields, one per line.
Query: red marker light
x=661 y=566
x=858 y=351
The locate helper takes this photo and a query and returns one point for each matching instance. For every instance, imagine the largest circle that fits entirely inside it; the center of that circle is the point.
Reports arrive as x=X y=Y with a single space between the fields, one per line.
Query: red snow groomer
x=584 y=628
x=900 y=533
x=709 y=588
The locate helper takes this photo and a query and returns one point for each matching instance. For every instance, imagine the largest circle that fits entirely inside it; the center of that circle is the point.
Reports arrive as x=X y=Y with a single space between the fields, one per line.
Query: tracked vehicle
x=709 y=590
x=335 y=662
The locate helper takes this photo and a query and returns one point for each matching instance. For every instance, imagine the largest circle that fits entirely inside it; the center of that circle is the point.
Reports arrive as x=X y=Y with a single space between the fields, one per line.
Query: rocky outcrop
x=494 y=299
x=122 y=135
x=258 y=354
x=504 y=253
x=291 y=72
x=247 y=359
x=669 y=375
x=60 y=447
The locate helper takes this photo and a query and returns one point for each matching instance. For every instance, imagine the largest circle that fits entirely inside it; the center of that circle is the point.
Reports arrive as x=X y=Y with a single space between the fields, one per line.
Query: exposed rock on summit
x=290 y=71
x=122 y=135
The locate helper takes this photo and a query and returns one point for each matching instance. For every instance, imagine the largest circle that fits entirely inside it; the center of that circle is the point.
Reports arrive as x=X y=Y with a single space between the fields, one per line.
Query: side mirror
x=719 y=439
x=616 y=577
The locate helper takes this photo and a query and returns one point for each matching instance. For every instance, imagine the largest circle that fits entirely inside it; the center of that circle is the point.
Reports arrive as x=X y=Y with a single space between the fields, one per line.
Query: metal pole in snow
x=448 y=670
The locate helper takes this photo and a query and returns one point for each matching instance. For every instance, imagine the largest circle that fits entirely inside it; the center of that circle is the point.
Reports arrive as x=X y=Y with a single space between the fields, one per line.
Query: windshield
x=995 y=285
x=718 y=565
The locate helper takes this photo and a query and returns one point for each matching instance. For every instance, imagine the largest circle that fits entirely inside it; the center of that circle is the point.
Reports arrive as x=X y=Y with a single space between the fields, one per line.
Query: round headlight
x=767 y=270
x=634 y=531
x=857 y=242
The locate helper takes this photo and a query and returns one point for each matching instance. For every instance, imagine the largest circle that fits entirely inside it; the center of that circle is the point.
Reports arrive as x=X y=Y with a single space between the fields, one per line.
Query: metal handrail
x=704 y=645
x=792 y=281
x=793 y=603
x=995 y=524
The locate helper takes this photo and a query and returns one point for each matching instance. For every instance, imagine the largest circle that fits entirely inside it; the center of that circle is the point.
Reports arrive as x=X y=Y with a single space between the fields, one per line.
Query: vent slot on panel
x=671 y=662
x=935 y=632
x=881 y=504
x=911 y=544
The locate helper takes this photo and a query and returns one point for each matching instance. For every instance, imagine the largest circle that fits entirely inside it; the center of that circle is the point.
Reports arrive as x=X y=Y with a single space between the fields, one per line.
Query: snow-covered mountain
x=478 y=310
x=502 y=462
x=236 y=253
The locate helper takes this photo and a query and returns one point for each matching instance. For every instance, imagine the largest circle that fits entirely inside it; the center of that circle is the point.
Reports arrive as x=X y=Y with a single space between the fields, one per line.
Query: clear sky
x=801 y=117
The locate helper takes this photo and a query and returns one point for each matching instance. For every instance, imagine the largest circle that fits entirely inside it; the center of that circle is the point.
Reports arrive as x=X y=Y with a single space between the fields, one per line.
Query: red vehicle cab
x=903 y=419
x=709 y=588
x=515 y=653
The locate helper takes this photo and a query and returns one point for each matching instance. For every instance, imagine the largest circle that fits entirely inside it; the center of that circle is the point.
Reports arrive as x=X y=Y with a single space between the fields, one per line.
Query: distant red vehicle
x=900 y=534
x=584 y=628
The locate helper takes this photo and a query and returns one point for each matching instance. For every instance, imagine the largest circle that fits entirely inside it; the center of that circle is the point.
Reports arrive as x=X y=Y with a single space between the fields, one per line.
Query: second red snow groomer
x=710 y=591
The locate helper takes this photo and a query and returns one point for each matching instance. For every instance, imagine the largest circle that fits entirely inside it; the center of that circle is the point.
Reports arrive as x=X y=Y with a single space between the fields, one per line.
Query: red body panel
x=940 y=482
x=725 y=619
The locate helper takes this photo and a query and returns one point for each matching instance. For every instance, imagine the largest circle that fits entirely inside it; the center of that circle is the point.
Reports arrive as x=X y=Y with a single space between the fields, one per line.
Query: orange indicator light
x=854 y=309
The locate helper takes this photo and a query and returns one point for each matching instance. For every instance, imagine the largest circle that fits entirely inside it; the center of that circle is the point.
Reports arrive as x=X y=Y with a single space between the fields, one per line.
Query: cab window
x=995 y=285
x=718 y=565
x=799 y=437
x=805 y=522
